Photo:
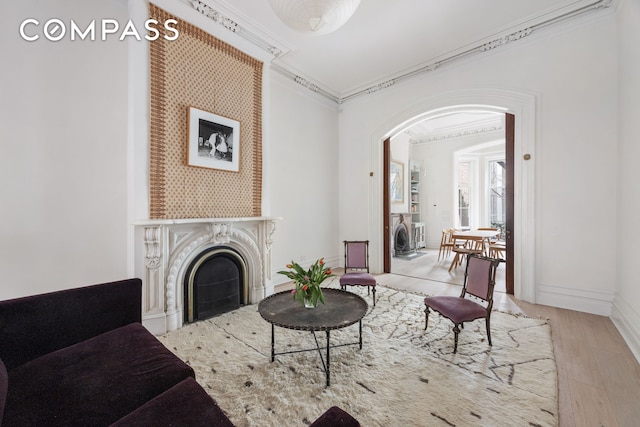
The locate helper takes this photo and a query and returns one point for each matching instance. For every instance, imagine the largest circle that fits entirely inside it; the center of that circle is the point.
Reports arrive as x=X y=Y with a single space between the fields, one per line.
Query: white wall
x=572 y=75
x=303 y=148
x=63 y=121
x=626 y=310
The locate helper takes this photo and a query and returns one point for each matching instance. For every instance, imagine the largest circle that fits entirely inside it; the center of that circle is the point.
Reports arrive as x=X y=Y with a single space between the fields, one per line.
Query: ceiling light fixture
x=315 y=17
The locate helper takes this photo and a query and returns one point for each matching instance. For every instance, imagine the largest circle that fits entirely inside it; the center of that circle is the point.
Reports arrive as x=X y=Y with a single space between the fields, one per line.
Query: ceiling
x=386 y=41
x=456 y=124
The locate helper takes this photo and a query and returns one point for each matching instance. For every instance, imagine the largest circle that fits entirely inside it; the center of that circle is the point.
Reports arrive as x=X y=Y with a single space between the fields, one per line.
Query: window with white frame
x=480 y=190
x=496 y=193
x=464 y=194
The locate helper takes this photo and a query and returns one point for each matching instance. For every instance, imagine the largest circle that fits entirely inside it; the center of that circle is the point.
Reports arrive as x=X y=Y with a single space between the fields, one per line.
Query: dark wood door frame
x=509 y=143
x=386 y=209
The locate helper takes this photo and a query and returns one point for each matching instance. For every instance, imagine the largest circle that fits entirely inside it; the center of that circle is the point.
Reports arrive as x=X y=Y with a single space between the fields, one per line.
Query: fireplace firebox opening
x=215 y=283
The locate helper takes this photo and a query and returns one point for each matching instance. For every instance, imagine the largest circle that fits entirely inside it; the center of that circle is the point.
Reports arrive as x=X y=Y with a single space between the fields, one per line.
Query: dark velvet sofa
x=81 y=357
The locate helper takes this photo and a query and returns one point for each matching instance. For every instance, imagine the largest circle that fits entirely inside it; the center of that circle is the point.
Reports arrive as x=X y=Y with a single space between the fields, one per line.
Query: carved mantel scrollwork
x=271 y=228
x=220 y=232
x=153 y=247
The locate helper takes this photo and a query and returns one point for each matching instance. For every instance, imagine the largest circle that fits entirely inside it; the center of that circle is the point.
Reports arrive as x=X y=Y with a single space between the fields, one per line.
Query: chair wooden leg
x=456 y=331
x=454 y=262
x=444 y=252
x=370 y=290
x=426 y=318
x=489 y=330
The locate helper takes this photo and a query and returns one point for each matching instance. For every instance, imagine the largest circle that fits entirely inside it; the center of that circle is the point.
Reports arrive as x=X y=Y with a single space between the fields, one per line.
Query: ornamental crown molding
x=445 y=136
x=508 y=37
x=220 y=18
x=467 y=128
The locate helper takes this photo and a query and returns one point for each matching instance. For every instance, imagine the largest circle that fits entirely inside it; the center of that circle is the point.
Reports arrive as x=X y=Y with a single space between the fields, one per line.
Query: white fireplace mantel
x=166 y=247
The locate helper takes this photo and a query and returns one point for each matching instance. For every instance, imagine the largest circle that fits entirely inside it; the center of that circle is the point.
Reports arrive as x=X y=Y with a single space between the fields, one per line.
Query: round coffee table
x=341 y=309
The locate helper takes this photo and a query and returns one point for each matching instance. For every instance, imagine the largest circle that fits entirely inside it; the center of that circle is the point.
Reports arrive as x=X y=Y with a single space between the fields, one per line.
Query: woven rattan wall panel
x=198 y=70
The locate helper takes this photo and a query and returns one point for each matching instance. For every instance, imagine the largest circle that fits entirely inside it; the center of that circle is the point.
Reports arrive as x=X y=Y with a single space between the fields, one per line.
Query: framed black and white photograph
x=214 y=141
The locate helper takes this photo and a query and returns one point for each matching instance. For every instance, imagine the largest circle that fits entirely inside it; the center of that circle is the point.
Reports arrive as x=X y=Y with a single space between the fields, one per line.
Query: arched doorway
x=460 y=175
x=523 y=106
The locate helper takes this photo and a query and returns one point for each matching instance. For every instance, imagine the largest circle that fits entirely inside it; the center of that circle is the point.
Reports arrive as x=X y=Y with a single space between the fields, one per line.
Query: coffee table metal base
x=326 y=366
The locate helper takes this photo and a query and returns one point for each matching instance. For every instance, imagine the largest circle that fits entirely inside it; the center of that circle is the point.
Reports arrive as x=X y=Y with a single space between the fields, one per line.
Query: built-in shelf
x=417 y=226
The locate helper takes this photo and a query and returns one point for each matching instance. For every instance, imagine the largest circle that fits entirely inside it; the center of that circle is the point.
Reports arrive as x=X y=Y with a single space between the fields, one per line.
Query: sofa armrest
x=4 y=388
x=335 y=417
x=37 y=325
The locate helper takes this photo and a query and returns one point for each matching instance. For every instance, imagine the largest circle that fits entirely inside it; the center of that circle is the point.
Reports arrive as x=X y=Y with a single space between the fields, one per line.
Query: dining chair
x=496 y=247
x=446 y=243
x=469 y=247
x=498 y=250
x=479 y=282
x=356 y=267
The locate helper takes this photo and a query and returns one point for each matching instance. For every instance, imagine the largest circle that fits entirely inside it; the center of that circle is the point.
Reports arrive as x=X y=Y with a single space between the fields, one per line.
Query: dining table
x=483 y=236
x=480 y=240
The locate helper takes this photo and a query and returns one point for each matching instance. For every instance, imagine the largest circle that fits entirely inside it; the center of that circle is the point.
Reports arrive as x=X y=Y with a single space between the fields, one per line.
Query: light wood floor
x=598 y=376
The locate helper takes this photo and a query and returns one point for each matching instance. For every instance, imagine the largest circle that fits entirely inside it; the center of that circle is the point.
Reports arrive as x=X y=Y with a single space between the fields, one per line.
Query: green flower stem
x=307 y=282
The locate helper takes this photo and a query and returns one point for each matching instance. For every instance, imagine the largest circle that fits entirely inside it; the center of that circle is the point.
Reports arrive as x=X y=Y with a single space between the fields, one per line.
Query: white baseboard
x=623 y=316
x=594 y=302
x=627 y=321
x=155 y=323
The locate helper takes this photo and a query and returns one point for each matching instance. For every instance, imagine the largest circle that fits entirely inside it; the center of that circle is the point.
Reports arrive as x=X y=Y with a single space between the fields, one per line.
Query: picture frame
x=213 y=141
x=396 y=181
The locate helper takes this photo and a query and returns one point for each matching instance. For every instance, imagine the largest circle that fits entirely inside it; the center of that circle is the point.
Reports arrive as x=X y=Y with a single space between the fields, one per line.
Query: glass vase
x=308 y=303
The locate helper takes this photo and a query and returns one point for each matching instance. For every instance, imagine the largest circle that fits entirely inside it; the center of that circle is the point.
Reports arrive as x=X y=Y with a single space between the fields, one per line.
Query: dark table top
x=341 y=309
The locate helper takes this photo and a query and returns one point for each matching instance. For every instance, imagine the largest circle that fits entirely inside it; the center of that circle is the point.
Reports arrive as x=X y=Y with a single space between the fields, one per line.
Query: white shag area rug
x=403 y=376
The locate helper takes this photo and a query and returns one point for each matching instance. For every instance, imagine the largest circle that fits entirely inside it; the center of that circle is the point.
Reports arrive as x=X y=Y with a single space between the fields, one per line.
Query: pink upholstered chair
x=356 y=267
x=479 y=281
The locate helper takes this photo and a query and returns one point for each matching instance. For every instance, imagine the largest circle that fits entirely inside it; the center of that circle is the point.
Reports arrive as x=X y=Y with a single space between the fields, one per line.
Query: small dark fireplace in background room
x=214 y=284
